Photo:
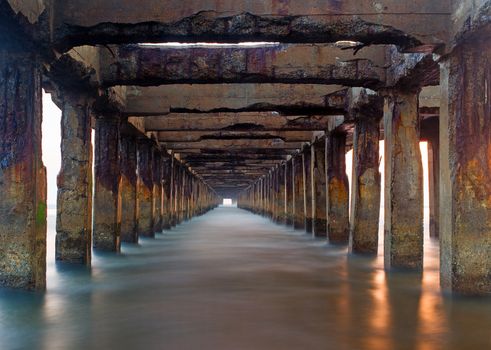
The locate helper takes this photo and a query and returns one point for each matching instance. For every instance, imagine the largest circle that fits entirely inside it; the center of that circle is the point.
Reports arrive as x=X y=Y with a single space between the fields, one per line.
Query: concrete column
x=289 y=192
x=274 y=194
x=307 y=187
x=173 y=200
x=157 y=190
x=129 y=190
x=403 y=183
x=187 y=195
x=270 y=195
x=465 y=168
x=145 y=188
x=107 y=195
x=338 y=187
x=319 y=189
x=365 y=195
x=180 y=193
x=281 y=194
x=167 y=192
x=265 y=195
x=22 y=174
x=74 y=201
x=298 y=193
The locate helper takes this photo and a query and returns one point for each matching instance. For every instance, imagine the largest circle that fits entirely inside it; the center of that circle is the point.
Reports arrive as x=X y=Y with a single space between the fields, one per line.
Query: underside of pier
x=258 y=101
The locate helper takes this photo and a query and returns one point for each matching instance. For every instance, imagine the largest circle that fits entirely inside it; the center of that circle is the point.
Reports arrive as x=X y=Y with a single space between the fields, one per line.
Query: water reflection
x=232 y=280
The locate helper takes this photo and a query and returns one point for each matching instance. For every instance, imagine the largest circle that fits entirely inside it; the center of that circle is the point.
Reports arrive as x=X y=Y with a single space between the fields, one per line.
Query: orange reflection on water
x=380 y=318
x=432 y=320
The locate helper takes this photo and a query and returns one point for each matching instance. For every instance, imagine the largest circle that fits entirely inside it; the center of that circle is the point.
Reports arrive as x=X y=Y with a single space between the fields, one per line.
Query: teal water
x=233 y=280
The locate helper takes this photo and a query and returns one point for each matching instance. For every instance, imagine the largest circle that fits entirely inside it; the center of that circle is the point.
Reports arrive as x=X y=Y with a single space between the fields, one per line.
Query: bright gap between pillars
x=244 y=44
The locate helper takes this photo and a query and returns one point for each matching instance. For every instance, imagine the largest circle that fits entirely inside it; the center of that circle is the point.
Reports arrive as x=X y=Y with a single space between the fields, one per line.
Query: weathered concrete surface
x=365 y=195
x=94 y=22
x=237 y=122
x=145 y=188
x=289 y=192
x=307 y=187
x=300 y=64
x=173 y=194
x=197 y=136
x=403 y=244
x=157 y=190
x=74 y=202
x=22 y=174
x=298 y=193
x=107 y=192
x=338 y=187
x=166 y=191
x=469 y=20
x=233 y=144
x=319 y=189
x=179 y=192
x=31 y=9
x=465 y=151
x=129 y=184
x=281 y=181
x=288 y=98
x=271 y=194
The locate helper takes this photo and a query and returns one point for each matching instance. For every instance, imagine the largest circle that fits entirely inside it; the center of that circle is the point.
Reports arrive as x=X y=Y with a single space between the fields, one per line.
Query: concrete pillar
x=167 y=192
x=274 y=194
x=403 y=183
x=145 y=188
x=74 y=201
x=157 y=190
x=319 y=189
x=281 y=194
x=298 y=193
x=289 y=192
x=465 y=168
x=307 y=187
x=338 y=189
x=270 y=195
x=187 y=195
x=179 y=193
x=129 y=190
x=365 y=195
x=173 y=199
x=22 y=174
x=107 y=195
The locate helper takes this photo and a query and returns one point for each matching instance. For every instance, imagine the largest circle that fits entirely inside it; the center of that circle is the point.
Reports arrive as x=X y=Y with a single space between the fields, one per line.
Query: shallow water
x=233 y=280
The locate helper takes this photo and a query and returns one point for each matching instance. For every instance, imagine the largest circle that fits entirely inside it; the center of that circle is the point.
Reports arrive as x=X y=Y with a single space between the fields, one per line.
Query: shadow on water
x=232 y=280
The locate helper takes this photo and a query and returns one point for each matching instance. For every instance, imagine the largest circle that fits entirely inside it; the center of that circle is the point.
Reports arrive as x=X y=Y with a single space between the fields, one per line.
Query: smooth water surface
x=233 y=280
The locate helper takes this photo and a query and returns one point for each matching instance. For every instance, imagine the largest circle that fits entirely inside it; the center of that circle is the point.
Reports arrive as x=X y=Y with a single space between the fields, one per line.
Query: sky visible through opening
x=211 y=45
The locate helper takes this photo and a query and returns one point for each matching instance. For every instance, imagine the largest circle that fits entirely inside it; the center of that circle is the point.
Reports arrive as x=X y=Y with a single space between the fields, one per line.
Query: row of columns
x=310 y=191
x=138 y=191
x=459 y=170
x=464 y=196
